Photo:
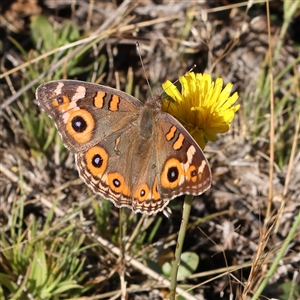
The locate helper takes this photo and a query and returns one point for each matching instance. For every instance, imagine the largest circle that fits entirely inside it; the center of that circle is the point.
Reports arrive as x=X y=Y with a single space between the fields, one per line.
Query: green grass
x=44 y=260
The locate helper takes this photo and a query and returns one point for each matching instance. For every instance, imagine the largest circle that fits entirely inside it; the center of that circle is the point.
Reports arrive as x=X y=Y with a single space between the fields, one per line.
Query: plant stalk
x=181 y=236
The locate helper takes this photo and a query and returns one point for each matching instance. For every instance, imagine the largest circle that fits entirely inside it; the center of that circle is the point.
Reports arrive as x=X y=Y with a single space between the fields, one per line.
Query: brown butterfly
x=131 y=153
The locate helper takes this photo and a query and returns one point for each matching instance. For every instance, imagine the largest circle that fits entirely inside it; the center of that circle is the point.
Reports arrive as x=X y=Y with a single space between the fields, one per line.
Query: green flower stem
x=280 y=255
x=176 y=260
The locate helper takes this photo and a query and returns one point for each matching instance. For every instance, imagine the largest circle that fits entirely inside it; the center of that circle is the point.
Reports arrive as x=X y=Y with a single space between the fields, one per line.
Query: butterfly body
x=130 y=153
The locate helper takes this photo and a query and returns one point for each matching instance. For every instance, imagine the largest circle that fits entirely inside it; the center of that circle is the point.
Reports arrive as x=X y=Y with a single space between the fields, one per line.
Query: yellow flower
x=202 y=106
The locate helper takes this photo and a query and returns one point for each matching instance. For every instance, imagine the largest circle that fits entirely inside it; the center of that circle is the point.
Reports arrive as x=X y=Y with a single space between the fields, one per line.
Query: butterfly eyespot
x=60 y=100
x=194 y=173
x=97 y=161
x=116 y=183
x=173 y=174
x=191 y=173
x=79 y=124
x=142 y=192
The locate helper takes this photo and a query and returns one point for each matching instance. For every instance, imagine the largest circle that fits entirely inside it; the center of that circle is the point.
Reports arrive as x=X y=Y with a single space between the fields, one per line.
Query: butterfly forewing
x=184 y=168
x=85 y=113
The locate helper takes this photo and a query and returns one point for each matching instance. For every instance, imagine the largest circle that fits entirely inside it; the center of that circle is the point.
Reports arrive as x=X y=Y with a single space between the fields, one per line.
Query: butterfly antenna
x=190 y=70
x=137 y=44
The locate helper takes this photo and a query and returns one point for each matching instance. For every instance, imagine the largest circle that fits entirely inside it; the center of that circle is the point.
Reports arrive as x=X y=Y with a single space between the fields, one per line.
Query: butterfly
x=129 y=152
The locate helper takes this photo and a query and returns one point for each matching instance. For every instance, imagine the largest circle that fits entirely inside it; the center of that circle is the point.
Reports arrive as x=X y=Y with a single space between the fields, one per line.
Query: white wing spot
x=59 y=86
x=79 y=94
x=202 y=166
x=190 y=154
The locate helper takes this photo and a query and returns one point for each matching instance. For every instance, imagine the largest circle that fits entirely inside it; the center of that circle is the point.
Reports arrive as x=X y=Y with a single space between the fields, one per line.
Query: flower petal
x=203 y=106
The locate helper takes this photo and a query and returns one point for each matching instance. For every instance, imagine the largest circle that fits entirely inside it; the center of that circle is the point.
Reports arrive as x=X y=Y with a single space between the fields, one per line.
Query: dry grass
x=239 y=228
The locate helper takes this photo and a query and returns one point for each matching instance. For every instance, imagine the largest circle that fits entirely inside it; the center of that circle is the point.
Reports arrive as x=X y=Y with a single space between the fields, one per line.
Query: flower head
x=203 y=107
